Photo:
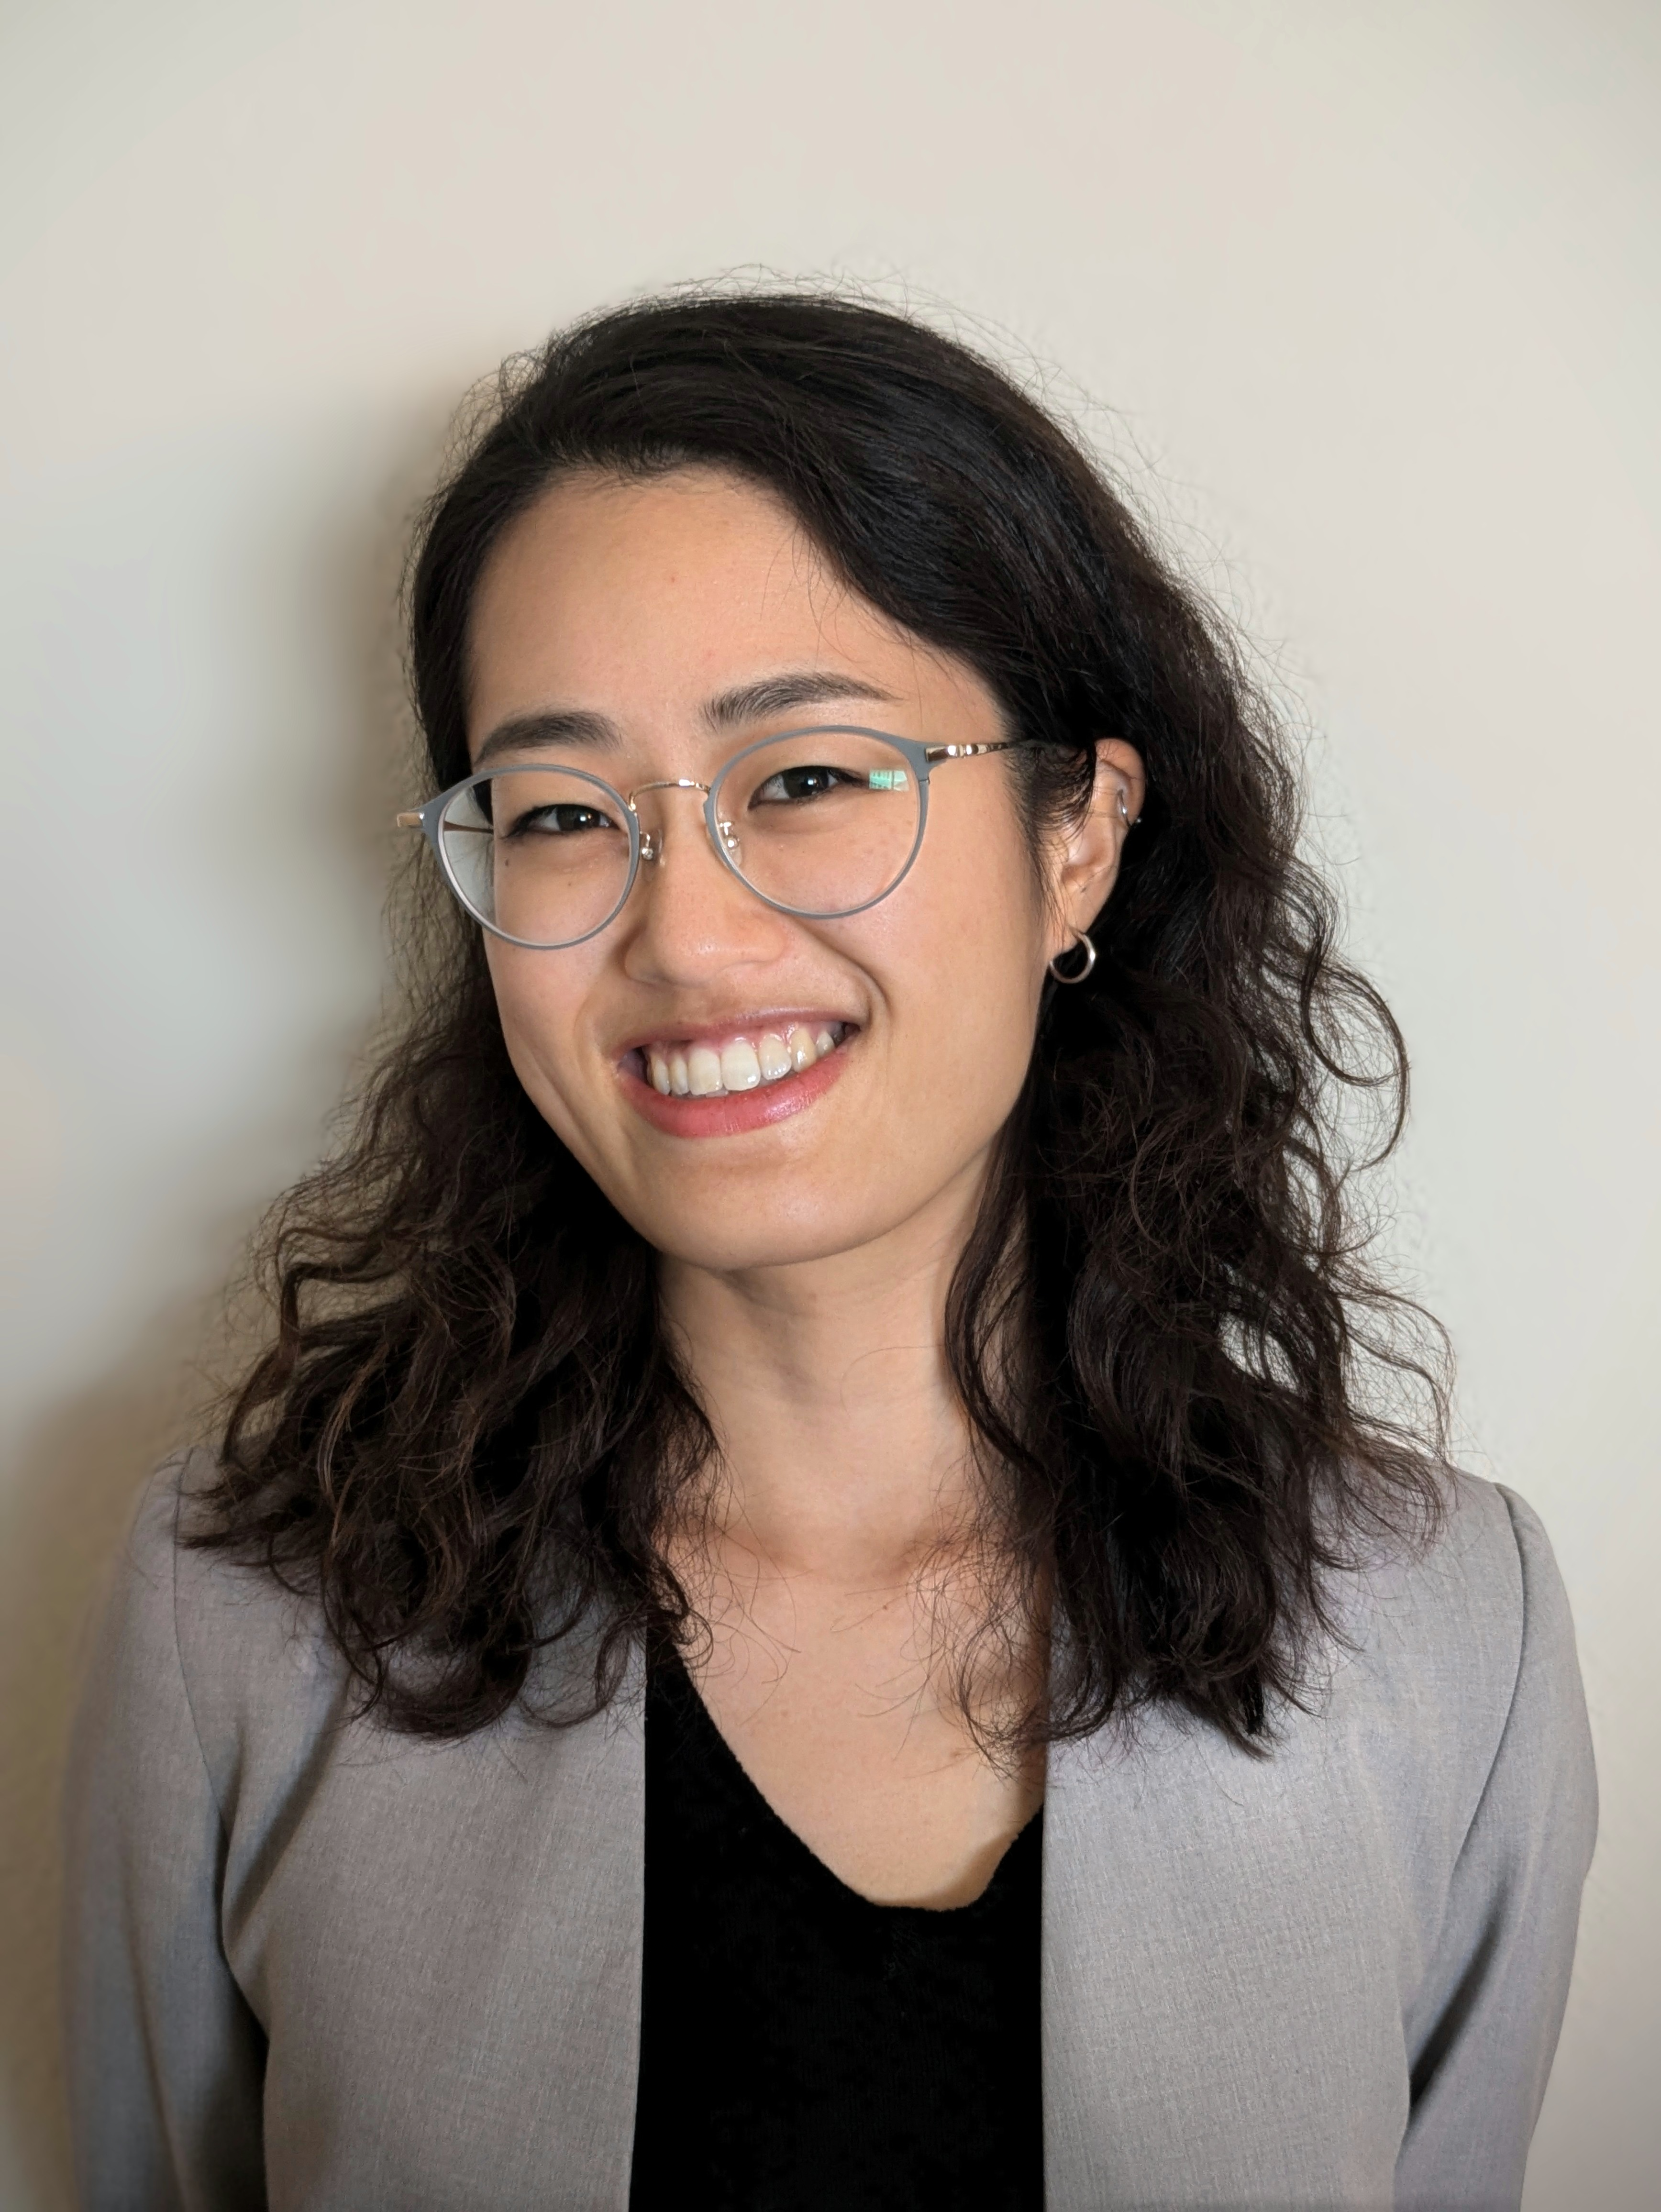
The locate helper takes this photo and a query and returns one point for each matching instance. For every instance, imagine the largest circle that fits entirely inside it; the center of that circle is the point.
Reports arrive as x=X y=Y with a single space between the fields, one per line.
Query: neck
x=844 y=1450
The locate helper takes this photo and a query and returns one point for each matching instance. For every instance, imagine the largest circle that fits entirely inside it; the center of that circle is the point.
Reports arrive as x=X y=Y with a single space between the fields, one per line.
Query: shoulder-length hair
x=468 y=1430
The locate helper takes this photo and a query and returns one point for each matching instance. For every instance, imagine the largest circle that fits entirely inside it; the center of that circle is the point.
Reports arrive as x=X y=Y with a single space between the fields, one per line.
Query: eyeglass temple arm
x=932 y=753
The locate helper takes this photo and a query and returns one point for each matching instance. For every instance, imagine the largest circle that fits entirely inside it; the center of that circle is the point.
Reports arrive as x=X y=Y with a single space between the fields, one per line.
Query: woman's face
x=673 y=621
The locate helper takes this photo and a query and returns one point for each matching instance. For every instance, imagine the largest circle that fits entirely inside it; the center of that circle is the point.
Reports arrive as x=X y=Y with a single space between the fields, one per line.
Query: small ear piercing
x=1080 y=942
x=1124 y=812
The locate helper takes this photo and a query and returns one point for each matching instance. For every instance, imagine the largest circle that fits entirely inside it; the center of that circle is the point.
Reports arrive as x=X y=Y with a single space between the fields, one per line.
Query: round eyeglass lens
x=821 y=822
x=541 y=855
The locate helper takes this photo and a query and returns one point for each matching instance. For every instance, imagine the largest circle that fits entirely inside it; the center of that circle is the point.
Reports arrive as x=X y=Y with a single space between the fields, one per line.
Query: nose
x=690 y=918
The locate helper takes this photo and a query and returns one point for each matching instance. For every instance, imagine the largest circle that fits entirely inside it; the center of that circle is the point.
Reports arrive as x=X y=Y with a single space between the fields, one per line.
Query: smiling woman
x=837 y=1387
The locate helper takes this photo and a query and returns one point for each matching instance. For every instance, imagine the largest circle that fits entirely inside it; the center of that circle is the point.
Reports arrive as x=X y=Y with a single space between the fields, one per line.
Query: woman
x=831 y=1593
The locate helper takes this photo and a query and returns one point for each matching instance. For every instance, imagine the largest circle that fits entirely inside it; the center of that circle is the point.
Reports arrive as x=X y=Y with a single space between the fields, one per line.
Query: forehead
x=643 y=600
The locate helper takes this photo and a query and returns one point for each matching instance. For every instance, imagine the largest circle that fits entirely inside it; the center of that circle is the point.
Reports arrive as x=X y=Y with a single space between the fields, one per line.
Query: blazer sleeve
x=1484 y=2031
x=165 y=2059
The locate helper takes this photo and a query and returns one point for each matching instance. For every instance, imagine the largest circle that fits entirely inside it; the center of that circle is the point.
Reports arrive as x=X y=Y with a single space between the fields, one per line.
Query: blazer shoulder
x=1463 y=1595
x=1453 y=1643
x=258 y=1667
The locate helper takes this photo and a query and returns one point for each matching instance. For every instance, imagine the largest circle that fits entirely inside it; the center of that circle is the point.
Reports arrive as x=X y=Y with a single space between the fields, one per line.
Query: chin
x=746 y=1233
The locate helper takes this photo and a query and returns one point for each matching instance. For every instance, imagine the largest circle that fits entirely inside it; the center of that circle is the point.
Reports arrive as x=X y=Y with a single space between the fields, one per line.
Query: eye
x=791 y=785
x=563 y=818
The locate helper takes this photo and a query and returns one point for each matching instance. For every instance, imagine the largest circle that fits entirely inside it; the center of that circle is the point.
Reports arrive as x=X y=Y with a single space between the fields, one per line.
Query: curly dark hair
x=1200 y=1403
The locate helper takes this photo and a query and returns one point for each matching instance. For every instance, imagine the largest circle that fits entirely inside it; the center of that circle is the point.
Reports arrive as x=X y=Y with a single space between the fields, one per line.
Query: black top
x=803 y=2050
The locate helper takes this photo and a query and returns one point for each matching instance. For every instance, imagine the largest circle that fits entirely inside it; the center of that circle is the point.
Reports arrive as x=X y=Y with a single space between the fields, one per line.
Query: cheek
x=976 y=1020
x=538 y=1002
x=965 y=970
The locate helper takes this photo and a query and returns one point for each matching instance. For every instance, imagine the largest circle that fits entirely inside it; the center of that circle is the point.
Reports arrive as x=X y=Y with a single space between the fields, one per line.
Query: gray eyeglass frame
x=922 y=759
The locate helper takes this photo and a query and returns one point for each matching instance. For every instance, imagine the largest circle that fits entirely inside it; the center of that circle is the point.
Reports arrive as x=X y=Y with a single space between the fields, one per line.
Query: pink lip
x=739 y=1110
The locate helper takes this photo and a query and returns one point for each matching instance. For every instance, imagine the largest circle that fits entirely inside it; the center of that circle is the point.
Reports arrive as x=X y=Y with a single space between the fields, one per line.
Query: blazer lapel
x=1220 y=1978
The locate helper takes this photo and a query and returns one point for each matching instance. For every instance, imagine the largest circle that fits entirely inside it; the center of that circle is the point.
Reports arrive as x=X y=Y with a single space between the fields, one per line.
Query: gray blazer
x=313 y=1965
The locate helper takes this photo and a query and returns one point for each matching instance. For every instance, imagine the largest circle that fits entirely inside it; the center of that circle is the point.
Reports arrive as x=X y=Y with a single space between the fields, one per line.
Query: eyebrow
x=528 y=733
x=778 y=695
x=746 y=703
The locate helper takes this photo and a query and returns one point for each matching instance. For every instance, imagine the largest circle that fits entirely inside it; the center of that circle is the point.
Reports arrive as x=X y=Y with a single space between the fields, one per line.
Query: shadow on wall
x=70 y=1492
x=73 y=1489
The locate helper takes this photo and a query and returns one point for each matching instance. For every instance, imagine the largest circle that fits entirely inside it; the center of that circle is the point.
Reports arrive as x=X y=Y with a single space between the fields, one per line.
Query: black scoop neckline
x=671 y=1679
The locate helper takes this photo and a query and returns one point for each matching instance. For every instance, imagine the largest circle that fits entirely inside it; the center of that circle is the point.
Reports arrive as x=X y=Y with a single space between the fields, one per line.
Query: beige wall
x=1370 y=289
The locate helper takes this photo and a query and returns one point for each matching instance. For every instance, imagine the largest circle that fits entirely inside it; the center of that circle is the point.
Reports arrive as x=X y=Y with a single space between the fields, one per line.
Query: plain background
x=1362 y=299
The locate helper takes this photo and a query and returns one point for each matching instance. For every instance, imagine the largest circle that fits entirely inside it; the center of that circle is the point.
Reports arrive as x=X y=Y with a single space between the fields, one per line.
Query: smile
x=712 y=1068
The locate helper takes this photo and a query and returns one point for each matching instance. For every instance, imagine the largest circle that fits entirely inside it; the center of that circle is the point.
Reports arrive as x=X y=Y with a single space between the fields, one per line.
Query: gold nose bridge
x=668 y=783
x=651 y=848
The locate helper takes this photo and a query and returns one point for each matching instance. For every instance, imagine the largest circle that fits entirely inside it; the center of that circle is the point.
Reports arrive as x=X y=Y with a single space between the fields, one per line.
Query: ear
x=1088 y=850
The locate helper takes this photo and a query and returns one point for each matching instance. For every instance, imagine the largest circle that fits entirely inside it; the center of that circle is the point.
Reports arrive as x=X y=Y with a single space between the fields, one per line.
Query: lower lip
x=735 y=1111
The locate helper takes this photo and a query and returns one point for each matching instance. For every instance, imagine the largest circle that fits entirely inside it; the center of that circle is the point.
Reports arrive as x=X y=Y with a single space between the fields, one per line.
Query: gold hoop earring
x=1089 y=959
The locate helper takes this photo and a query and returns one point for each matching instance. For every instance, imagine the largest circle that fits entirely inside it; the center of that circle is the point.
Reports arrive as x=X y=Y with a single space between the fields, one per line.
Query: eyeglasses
x=820 y=824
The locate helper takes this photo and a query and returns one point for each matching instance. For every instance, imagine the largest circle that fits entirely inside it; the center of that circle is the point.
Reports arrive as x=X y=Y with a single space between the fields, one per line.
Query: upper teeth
x=699 y=1071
